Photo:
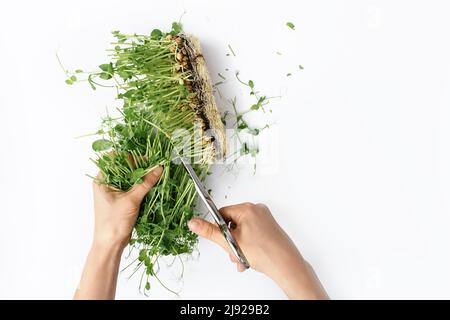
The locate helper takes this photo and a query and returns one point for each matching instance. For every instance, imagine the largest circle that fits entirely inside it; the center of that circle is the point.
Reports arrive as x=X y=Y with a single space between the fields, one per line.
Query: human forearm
x=299 y=281
x=99 y=277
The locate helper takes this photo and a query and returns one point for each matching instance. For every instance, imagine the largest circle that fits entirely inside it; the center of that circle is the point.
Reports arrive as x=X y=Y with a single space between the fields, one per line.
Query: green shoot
x=231 y=50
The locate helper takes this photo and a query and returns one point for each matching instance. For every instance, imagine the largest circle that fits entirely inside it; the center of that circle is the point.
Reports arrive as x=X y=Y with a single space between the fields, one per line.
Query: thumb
x=139 y=191
x=209 y=231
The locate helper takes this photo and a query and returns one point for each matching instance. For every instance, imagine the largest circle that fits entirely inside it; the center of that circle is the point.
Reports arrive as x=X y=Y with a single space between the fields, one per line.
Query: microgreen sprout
x=231 y=50
x=290 y=25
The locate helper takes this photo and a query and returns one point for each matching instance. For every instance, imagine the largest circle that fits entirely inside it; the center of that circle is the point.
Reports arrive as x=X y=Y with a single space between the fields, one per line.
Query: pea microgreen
x=231 y=50
x=290 y=25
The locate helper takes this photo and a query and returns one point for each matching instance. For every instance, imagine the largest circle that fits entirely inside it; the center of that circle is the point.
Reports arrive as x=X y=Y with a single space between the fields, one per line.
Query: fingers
x=208 y=231
x=239 y=266
x=235 y=212
x=139 y=191
x=212 y=232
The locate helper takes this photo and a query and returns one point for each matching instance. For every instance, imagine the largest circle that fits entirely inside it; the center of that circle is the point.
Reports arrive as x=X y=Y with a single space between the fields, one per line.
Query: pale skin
x=267 y=247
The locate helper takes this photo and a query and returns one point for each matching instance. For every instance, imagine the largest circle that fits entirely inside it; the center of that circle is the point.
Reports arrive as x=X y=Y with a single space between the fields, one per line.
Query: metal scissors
x=223 y=225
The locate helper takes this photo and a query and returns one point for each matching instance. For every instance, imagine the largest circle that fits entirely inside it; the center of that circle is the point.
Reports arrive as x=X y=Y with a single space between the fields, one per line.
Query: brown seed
x=179 y=56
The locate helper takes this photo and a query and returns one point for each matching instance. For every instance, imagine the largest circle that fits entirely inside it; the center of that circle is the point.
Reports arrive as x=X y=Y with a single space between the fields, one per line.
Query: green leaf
x=120 y=37
x=71 y=80
x=242 y=125
x=137 y=174
x=148 y=262
x=78 y=71
x=104 y=66
x=300 y=67
x=290 y=25
x=142 y=255
x=251 y=84
x=255 y=107
x=176 y=27
x=108 y=71
x=105 y=76
x=147 y=286
x=124 y=75
x=107 y=67
x=101 y=145
x=289 y=74
x=156 y=34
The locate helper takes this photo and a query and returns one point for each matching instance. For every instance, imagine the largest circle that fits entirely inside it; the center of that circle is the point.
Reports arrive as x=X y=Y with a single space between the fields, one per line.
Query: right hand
x=267 y=248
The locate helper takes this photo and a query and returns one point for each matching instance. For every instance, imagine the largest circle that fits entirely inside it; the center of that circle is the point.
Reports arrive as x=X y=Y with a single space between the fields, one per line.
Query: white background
x=360 y=169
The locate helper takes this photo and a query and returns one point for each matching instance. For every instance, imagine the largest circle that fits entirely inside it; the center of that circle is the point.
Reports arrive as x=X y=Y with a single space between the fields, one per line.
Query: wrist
x=113 y=249
x=299 y=282
x=110 y=239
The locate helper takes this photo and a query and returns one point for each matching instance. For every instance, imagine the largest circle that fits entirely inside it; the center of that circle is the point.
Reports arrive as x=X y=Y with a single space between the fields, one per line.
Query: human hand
x=116 y=211
x=267 y=247
x=115 y=215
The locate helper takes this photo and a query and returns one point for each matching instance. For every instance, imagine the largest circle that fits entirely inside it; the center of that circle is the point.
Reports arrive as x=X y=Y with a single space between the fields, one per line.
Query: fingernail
x=193 y=224
x=157 y=171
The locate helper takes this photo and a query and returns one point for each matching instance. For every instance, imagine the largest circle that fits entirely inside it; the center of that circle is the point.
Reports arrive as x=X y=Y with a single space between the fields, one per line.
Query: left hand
x=116 y=211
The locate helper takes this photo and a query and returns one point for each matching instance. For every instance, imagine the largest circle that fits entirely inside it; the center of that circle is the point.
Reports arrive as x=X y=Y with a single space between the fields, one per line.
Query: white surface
x=363 y=177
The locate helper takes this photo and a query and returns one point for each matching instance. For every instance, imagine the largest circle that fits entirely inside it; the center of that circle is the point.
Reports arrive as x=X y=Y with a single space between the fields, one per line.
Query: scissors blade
x=210 y=205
